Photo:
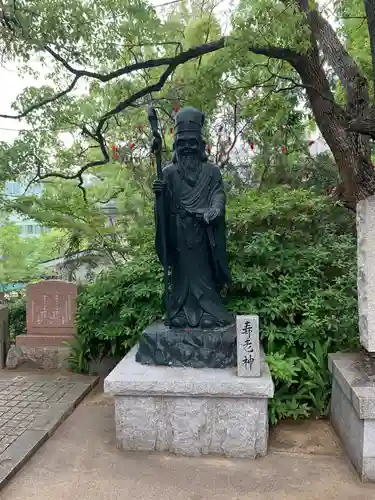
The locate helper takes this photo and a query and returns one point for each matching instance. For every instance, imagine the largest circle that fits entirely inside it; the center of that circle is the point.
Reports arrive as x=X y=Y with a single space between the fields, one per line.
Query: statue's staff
x=156 y=149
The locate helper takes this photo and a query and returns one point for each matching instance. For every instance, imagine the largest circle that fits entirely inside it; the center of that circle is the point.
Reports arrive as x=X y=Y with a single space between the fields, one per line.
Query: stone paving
x=81 y=461
x=31 y=408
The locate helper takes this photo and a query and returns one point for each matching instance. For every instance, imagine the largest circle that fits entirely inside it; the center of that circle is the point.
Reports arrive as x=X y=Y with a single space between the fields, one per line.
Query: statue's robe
x=196 y=251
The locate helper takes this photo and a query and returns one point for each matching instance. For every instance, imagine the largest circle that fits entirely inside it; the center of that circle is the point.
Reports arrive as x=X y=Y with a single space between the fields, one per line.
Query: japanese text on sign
x=248 y=359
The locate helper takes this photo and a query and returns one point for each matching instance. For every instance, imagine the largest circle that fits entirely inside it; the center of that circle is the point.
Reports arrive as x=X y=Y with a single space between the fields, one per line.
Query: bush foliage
x=17 y=315
x=293 y=262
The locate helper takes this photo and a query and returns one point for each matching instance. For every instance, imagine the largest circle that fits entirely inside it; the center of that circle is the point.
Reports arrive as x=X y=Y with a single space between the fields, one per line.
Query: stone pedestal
x=44 y=357
x=190 y=411
x=353 y=410
x=193 y=347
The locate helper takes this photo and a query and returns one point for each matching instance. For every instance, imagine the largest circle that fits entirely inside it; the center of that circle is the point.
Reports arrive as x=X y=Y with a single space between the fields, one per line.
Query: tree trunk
x=370 y=14
x=352 y=156
x=350 y=149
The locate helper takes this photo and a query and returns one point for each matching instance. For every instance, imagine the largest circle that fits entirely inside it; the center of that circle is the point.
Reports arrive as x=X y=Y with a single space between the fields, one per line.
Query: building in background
x=317 y=144
x=80 y=267
x=29 y=227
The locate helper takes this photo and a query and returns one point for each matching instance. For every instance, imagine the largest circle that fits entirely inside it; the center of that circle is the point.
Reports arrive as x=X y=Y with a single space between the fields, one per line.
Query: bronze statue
x=191 y=245
x=190 y=230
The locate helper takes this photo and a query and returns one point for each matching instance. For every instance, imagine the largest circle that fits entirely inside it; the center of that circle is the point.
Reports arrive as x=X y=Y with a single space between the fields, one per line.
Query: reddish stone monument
x=51 y=309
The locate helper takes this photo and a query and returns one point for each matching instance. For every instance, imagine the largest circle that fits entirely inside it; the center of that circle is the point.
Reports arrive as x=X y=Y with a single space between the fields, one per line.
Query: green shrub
x=114 y=310
x=17 y=315
x=293 y=261
x=293 y=257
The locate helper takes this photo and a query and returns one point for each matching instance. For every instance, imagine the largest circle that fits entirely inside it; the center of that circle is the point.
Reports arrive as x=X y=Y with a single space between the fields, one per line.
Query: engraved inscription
x=51 y=307
x=52 y=311
x=248 y=348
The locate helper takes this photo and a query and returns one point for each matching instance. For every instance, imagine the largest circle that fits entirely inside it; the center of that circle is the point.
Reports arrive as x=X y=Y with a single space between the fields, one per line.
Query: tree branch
x=364 y=125
x=176 y=60
x=171 y=62
x=340 y=111
x=42 y=103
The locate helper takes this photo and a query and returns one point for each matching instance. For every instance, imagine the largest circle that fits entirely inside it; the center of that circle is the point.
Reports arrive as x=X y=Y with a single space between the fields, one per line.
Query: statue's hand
x=211 y=214
x=158 y=186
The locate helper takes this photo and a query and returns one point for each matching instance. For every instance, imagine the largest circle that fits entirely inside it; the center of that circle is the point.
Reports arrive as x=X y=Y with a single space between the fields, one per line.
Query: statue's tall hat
x=189 y=121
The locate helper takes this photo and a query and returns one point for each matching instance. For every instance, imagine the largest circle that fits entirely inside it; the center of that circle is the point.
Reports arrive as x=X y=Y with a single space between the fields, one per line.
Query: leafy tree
x=20 y=257
x=129 y=52
x=84 y=223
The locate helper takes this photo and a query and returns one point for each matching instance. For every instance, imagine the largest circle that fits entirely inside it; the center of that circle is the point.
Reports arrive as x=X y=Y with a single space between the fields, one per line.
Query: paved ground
x=31 y=408
x=81 y=461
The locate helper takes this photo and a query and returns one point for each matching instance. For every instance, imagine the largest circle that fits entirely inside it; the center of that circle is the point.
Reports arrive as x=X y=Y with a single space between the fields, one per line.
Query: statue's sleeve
x=218 y=197
x=219 y=252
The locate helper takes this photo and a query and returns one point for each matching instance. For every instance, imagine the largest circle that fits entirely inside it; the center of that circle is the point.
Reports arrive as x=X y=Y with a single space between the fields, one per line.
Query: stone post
x=353 y=388
x=366 y=272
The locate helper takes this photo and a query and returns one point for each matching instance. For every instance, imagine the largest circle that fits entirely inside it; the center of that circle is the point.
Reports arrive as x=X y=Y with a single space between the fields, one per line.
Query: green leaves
x=17 y=315
x=114 y=310
x=355 y=33
x=21 y=257
x=293 y=262
x=293 y=257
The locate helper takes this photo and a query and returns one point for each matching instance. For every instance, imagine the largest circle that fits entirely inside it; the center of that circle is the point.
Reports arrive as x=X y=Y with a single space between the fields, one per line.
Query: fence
x=4 y=334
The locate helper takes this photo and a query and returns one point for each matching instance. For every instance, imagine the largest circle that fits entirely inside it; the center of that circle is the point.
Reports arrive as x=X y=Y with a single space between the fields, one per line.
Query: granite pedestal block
x=353 y=410
x=190 y=411
x=193 y=347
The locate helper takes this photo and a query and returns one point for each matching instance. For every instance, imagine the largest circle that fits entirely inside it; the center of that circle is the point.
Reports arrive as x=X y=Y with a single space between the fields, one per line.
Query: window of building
x=13 y=188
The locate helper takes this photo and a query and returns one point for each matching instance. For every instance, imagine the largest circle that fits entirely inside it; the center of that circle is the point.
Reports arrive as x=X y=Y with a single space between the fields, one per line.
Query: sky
x=11 y=84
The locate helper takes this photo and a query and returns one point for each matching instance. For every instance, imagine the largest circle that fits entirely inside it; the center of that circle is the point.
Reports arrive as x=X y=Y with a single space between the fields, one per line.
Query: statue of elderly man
x=194 y=211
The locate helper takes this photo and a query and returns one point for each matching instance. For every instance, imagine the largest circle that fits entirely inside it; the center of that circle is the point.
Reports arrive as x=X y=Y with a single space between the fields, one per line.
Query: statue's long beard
x=190 y=165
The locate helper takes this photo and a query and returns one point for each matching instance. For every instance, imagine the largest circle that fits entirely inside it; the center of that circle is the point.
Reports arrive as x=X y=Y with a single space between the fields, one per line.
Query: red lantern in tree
x=116 y=156
x=114 y=148
x=132 y=146
x=284 y=150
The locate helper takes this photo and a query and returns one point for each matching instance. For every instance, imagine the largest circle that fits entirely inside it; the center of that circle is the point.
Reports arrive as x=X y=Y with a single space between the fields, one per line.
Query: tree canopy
x=21 y=257
x=105 y=62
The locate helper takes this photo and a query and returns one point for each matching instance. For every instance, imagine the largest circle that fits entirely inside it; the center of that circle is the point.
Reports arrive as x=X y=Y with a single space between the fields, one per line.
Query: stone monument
x=353 y=385
x=178 y=390
x=50 y=316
